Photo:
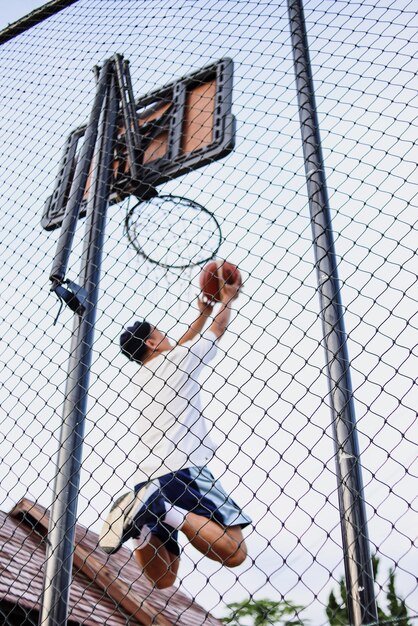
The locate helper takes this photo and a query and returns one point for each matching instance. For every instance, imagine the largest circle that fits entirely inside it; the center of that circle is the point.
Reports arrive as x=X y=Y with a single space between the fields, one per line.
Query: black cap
x=132 y=341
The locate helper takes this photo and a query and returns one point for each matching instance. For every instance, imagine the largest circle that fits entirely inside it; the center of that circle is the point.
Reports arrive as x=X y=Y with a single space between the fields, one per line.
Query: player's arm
x=205 y=311
x=223 y=316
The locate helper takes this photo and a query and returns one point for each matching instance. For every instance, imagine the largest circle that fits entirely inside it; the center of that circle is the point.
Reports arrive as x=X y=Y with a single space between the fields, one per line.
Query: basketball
x=213 y=274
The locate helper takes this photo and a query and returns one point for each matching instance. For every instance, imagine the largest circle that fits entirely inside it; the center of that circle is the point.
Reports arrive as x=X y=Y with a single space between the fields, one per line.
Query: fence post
x=358 y=568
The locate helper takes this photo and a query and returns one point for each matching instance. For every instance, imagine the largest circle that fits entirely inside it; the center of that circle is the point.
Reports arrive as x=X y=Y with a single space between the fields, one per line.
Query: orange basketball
x=210 y=276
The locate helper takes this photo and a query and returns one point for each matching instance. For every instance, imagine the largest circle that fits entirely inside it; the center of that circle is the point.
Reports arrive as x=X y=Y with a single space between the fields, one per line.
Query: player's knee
x=161 y=573
x=234 y=552
x=165 y=581
x=237 y=558
x=161 y=578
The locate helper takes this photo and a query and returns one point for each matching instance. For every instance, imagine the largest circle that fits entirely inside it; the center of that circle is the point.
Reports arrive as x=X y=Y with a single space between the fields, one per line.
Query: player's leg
x=129 y=514
x=219 y=543
x=158 y=556
x=189 y=500
x=139 y=516
x=197 y=504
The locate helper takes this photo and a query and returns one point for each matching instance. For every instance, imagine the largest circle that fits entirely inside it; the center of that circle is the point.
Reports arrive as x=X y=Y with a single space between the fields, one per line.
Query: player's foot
x=128 y=514
x=112 y=530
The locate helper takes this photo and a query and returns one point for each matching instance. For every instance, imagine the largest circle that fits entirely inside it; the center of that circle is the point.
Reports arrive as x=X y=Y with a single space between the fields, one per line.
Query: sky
x=267 y=399
x=11 y=12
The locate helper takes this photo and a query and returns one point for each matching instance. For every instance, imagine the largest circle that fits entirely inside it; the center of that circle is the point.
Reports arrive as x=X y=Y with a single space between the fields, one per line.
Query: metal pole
x=59 y=266
x=61 y=534
x=358 y=567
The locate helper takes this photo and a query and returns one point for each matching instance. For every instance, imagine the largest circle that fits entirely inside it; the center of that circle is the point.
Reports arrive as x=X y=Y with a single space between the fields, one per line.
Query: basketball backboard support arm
x=79 y=180
x=113 y=162
x=128 y=109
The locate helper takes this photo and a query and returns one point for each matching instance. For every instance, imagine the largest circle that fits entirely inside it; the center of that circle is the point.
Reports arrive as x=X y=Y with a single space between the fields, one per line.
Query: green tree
x=263 y=613
x=396 y=611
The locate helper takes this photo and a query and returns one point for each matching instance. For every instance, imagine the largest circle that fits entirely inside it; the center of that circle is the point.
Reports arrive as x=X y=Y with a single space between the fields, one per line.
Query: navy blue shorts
x=196 y=490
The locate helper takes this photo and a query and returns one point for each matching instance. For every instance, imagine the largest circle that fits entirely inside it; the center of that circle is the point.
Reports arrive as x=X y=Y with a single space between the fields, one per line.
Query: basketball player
x=175 y=491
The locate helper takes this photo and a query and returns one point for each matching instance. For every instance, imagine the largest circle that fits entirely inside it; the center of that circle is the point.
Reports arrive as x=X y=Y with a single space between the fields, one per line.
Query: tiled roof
x=109 y=591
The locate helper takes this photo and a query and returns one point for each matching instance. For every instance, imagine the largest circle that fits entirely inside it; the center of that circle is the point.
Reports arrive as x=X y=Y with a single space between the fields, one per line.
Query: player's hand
x=205 y=305
x=230 y=292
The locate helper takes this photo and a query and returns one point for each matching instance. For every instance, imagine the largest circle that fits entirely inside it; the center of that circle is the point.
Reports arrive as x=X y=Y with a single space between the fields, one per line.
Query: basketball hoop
x=173 y=231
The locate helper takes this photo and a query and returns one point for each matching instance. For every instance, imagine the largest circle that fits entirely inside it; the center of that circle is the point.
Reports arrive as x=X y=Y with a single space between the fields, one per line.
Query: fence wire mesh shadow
x=265 y=393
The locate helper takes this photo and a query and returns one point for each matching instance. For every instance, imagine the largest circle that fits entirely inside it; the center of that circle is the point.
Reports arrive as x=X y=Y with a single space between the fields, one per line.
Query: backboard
x=182 y=126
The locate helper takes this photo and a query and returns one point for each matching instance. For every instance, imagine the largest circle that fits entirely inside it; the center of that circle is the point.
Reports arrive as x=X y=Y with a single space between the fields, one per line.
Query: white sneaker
x=119 y=525
x=110 y=539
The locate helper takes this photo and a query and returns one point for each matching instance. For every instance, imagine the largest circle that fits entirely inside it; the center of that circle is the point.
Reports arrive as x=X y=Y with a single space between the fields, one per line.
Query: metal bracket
x=74 y=296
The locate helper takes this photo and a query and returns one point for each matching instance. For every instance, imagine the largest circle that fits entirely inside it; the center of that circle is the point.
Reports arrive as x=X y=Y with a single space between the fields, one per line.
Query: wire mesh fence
x=265 y=393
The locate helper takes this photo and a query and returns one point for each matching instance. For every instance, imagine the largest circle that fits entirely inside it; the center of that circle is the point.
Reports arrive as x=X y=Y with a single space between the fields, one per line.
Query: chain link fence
x=266 y=395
